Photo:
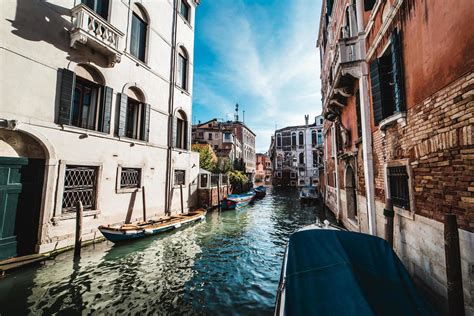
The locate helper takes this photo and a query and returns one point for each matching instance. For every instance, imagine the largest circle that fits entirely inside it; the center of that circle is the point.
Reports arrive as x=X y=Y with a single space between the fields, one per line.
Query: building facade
x=95 y=104
x=230 y=139
x=397 y=85
x=298 y=154
x=264 y=169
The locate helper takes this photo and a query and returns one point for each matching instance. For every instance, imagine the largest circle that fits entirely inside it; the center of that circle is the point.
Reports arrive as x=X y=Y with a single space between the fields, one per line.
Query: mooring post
x=219 y=193
x=389 y=214
x=181 y=193
x=78 y=240
x=453 y=265
x=144 y=204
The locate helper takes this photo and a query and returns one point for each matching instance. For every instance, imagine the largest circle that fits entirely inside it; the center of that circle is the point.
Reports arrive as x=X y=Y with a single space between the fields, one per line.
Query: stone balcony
x=91 y=30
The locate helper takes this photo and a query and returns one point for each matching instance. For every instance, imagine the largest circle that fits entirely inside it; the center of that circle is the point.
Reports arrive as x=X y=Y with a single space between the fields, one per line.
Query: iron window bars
x=399 y=191
x=80 y=184
x=130 y=178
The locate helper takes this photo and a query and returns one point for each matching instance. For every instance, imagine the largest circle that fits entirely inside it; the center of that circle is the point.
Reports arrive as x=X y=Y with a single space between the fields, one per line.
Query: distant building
x=297 y=154
x=264 y=169
x=230 y=139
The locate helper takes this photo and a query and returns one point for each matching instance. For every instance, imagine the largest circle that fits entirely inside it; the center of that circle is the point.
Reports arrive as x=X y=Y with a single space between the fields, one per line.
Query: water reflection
x=229 y=264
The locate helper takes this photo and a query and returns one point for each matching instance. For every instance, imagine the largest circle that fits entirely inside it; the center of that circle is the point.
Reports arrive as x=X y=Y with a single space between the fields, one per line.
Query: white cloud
x=270 y=65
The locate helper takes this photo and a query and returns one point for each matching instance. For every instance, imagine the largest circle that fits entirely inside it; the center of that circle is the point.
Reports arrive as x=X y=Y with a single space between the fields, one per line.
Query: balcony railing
x=92 y=30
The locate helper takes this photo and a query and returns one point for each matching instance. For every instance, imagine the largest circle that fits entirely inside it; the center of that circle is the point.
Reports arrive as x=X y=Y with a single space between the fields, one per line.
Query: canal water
x=228 y=264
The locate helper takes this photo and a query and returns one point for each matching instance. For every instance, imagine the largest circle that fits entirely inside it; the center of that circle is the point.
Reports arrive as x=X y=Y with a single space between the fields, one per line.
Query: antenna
x=243 y=116
x=236 y=116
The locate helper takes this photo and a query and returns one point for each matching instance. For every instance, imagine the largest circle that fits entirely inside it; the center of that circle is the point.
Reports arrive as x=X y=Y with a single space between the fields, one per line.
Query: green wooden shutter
x=145 y=132
x=174 y=137
x=106 y=110
x=397 y=73
x=376 y=91
x=122 y=117
x=66 y=97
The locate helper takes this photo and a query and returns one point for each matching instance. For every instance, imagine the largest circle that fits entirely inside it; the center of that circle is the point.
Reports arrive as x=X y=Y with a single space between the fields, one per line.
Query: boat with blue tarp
x=336 y=272
x=260 y=191
x=234 y=201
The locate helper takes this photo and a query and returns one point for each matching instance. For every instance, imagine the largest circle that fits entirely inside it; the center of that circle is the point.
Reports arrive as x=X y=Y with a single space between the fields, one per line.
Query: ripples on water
x=228 y=265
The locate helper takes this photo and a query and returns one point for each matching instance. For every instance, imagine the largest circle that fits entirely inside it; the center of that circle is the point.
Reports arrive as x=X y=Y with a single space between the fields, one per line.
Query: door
x=10 y=190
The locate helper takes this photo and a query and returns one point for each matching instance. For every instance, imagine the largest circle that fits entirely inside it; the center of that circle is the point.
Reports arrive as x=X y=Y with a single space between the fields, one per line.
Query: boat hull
x=260 y=192
x=126 y=233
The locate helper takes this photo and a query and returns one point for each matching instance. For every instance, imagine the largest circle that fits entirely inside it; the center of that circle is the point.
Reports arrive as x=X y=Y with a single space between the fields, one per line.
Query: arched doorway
x=22 y=163
x=351 y=195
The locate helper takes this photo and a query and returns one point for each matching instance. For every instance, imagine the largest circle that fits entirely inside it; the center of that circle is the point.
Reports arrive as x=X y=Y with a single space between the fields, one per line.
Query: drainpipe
x=366 y=128
x=170 y=111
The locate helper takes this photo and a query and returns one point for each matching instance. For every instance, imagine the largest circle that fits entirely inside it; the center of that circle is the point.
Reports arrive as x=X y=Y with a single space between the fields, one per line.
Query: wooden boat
x=328 y=271
x=234 y=201
x=126 y=232
x=308 y=195
x=260 y=192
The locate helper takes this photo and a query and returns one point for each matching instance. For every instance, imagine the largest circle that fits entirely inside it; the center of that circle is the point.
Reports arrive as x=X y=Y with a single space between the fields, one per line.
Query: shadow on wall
x=41 y=21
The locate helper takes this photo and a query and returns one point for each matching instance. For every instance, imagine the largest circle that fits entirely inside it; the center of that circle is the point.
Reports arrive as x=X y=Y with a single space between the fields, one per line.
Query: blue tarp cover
x=332 y=272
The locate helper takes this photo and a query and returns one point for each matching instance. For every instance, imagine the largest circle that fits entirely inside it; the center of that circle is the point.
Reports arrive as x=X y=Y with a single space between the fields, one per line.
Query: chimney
x=306 y=119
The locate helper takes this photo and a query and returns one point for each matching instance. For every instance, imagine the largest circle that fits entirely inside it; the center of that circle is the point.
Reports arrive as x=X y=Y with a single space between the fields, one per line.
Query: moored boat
x=336 y=272
x=126 y=232
x=308 y=195
x=260 y=191
x=234 y=201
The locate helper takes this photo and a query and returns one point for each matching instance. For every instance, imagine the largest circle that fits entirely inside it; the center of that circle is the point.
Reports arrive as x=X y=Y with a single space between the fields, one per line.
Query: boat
x=234 y=201
x=260 y=192
x=127 y=232
x=328 y=271
x=308 y=194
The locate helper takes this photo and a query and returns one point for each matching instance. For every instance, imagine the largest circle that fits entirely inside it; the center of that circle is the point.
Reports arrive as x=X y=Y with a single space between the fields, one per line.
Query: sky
x=262 y=55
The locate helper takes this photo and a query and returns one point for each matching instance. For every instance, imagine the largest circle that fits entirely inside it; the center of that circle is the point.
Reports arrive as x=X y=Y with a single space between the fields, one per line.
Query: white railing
x=88 y=25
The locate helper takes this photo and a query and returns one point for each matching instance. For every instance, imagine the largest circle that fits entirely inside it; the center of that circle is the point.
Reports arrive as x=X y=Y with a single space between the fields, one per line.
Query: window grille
x=179 y=177
x=80 y=184
x=130 y=178
x=398 y=181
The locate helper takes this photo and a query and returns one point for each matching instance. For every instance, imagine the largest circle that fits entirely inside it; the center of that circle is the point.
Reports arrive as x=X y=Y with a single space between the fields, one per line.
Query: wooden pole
x=453 y=266
x=181 y=193
x=144 y=204
x=389 y=214
x=219 y=193
x=78 y=239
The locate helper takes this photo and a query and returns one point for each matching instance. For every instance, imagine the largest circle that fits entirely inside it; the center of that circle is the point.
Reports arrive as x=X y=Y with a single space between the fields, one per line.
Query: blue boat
x=260 y=191
x=127 y=232
x=234 y=201
x=335 y=272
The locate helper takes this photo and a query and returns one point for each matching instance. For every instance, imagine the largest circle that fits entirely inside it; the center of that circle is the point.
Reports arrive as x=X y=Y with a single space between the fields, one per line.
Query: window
x=292 y=175
x=181 y=132
x=185 y=10
x=301 y=139
x=179 y=177
x=278 y=140
x=80 y=184
x=227 y=136
x=293 y=140
x=301 y=158
x=138 y=40
x=101 y=7
x=130 y=178
x=315 y=159
x=387 y=81
x=320 y=138
x=203 y=180
x=134 y=115
x=398 y=184
x=182 y=79
x=369 y=4
x=278 y=174
x=314 y=140
x=209 y=136
x=84 y=100
x=132 y=129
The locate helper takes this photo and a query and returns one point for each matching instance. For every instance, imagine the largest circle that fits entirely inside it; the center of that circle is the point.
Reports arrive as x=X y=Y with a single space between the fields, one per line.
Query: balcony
x=92 y=30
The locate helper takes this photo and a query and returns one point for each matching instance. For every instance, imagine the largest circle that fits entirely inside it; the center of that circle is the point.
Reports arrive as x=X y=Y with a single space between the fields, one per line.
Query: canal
x=227 y=265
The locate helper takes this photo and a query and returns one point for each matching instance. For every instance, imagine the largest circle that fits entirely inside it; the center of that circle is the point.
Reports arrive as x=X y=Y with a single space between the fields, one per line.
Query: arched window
x=181 y=131
x=278 y=141
x=313 y=138
x=293 y=139
x=301 y=158
x=182 y=79
x=301 y=139
x=138 y=40
x=85 y=101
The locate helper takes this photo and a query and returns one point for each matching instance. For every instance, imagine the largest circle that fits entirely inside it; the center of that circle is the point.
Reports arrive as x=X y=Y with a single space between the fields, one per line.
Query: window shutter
x=122 y=117
x=397 y=66
x=106 y=110
x=186 y=135
x=145 y=132
x=174 y=138
x=66 y=97
x=376 y=91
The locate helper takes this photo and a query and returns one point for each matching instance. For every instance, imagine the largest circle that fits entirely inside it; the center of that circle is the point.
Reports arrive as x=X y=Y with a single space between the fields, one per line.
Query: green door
x=10 y=189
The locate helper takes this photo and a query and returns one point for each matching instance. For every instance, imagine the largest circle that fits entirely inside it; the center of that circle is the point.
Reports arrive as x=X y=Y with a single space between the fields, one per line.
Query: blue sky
x=261 y=54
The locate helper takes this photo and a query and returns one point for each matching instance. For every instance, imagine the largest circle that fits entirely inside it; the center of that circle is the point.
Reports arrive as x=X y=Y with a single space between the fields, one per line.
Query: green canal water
x=228 y=264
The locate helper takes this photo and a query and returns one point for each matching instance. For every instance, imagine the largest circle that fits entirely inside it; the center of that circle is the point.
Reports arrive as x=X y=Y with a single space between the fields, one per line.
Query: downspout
x=366 y=127
x=170 y=112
